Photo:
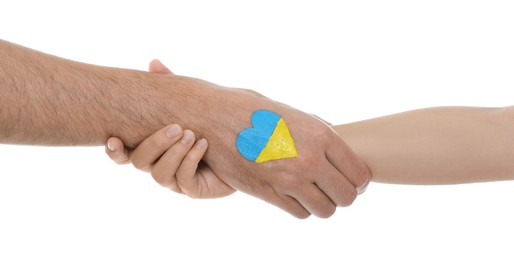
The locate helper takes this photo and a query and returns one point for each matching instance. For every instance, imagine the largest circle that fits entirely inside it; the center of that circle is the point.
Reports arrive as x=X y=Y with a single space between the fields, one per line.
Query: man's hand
x=324 y=175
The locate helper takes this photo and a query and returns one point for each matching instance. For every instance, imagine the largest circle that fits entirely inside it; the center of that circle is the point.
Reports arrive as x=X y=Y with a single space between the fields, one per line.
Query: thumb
x=156 y=66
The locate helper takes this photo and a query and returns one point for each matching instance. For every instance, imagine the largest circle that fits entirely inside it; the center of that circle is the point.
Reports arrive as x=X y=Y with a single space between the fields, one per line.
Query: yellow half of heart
x=279 y=146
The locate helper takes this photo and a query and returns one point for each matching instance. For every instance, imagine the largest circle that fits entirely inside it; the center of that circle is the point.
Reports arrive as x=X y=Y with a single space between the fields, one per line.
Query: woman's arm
x=444 y=145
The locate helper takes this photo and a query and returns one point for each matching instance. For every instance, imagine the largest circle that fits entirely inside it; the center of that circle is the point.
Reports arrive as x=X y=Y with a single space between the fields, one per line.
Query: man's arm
x=443 y=145
x=52 y=101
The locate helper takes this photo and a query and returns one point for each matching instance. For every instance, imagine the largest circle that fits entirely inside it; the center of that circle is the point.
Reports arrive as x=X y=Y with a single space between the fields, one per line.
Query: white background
x=342 y=60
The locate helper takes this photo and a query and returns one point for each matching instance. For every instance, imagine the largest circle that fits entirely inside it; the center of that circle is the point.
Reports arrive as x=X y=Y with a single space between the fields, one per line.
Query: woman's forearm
x=444 y=145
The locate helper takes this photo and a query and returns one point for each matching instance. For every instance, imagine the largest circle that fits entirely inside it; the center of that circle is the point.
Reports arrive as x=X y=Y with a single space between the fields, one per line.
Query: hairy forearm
x=443 y=145
x=52 y=101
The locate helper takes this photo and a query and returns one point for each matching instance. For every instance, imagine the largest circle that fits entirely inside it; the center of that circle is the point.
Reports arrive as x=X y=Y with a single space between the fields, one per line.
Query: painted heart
x=268 y=139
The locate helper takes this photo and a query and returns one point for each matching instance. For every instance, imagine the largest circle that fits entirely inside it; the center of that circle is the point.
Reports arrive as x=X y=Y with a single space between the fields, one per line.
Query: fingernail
x=111 y=146
x=201 y=144
x=173 y=131
x=363 y=188
x=188 y=137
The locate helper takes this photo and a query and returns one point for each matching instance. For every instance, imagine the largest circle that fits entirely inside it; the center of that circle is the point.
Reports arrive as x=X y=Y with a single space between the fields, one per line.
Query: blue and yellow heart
x=268 y=139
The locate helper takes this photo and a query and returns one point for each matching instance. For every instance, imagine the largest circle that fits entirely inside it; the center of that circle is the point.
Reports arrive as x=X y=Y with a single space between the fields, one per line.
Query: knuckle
x=176 y=189
x=326 y=212
x=140 y=165
x=300 y=213
x=194 y=195
x=307 y=160
x=192 y=191
x=349 y=198
x=325 y=134
x=118 y=157
x=122 y=159
x=163 y=179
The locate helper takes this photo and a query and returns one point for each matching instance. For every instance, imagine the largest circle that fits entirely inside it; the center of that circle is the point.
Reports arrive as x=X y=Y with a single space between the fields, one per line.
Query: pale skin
x=440 y=145
x=46 y=100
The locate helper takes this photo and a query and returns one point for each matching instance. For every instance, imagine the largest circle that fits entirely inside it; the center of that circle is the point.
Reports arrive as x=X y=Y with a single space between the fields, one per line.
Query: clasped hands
x=324 y=175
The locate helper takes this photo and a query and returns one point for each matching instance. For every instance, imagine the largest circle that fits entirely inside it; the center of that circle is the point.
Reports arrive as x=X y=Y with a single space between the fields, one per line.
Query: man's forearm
x=437 y=145
x=52 y=101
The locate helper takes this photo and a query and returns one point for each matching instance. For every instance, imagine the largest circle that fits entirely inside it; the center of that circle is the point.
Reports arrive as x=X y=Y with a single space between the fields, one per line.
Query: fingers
x=145 y=155
x=364 y=187
x=347 y=163
x=186 y=175
x=287 y=203
x=196 y=179
x=315 y=201
x=292 y=206
x=335 y=185
x=117 y=151
x=156 y=66
x=164 y=171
